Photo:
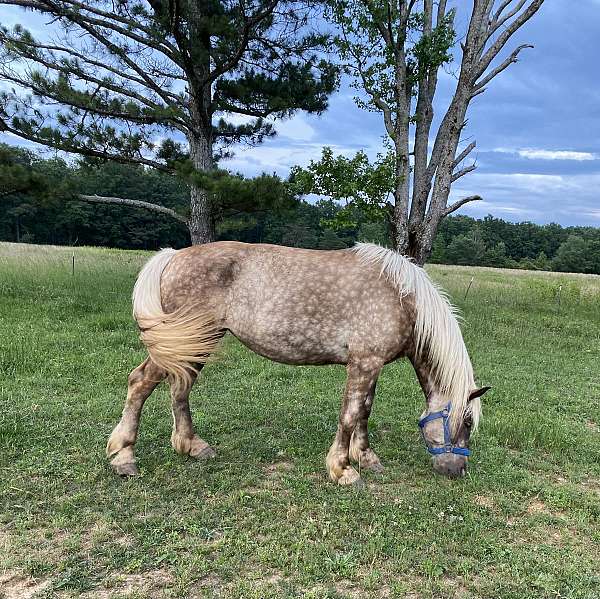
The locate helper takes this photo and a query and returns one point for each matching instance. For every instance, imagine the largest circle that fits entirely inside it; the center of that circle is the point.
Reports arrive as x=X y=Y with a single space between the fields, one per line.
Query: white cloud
x=296 y=129
x=556 y=155
x=593 y=213
x=271 y=157
x=565 y=198
x=534 y=154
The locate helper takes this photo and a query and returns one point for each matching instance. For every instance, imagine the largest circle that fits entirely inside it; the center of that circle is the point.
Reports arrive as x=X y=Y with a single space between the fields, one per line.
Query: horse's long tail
x=178 y=341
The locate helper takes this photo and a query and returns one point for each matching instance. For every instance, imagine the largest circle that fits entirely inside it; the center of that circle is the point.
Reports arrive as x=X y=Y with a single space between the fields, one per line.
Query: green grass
x=262 y=519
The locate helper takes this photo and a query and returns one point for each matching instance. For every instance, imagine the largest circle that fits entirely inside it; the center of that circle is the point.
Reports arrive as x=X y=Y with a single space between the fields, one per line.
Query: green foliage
x=494 y=242
x=372 y=62
x=363 y=187
x=16 y=172
x=466 y=249
x=572 y=255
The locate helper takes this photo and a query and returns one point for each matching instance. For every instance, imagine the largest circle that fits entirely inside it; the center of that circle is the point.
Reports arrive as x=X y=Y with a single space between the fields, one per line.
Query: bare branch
x=505 y=64
x=501 y=8
x=464 y=154
x=135 y=203
x=462 y=172
x=499 y=20
x=453 y=207
x=501 y=40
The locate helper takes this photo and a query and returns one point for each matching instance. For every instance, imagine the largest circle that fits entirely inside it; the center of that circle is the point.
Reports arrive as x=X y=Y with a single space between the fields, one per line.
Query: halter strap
x=448 y=446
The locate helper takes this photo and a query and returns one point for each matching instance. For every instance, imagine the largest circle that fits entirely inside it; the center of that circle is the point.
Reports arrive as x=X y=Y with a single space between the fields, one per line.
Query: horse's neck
x=435 y=400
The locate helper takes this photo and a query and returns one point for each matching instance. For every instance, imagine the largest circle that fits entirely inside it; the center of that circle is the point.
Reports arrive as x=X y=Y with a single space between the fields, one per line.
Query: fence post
x=469 y=287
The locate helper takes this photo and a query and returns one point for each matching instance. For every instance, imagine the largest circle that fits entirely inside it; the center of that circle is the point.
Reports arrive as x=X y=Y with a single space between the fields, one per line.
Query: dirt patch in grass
x=346 y=588
x=591 y=485
x=278 y=468
x=152 y=583
x=15 y=586
x=537 y=507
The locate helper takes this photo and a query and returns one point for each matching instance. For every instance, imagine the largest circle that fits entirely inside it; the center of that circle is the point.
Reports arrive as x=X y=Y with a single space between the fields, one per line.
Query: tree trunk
x=201 y=222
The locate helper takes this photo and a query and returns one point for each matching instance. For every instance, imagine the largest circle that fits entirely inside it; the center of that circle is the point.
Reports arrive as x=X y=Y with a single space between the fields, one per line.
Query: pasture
x=262 y=519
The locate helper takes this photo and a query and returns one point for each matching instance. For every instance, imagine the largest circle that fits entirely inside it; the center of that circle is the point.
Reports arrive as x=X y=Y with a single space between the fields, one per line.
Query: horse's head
x=447 y=439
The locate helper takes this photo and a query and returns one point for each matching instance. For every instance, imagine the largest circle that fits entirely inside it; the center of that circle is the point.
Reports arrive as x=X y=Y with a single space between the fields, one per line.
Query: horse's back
x=289 y=304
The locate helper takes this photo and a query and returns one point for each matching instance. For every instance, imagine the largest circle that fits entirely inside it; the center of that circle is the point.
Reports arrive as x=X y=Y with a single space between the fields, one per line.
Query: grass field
x=262 y=519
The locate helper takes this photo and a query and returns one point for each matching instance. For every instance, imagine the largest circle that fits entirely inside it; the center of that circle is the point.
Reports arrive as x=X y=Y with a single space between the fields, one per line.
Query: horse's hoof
x=127 y=469
x=367 y=460
x=350 y=477
x=205 y=453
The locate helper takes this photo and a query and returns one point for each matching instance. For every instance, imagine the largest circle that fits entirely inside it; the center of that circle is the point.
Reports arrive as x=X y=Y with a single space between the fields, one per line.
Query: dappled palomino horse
x=363 y=307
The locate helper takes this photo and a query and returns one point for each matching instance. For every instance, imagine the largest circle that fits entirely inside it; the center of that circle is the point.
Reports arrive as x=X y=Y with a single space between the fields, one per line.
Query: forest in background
x=38 y=205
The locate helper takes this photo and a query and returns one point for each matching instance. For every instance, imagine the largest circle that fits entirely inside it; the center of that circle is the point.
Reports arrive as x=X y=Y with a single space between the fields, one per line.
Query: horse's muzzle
x=450 y=465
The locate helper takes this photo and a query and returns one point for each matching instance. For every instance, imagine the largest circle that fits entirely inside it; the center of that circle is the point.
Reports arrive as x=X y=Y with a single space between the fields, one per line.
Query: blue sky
x=537 y=126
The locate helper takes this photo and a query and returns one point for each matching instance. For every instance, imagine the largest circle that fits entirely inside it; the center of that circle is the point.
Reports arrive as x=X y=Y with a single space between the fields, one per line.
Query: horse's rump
x=176 y=341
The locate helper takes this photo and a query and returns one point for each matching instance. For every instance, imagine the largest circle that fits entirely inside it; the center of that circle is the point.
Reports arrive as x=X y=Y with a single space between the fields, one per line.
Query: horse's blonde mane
x=438 y=338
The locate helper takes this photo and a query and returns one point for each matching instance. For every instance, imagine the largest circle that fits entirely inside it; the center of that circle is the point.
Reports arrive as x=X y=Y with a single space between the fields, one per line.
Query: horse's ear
x=478 y=393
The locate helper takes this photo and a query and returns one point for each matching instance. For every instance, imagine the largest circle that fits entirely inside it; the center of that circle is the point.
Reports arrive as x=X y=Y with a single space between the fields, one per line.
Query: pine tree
x=126 y=74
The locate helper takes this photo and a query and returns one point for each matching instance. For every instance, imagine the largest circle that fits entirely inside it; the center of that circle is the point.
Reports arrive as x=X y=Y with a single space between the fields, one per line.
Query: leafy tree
x=362 y=187
x=394 y=51
x=16 y=172
x=330 y=241
x=541 y=262
x=593 y=255
x=373 y=232
x=466 y=249
x=495 y=255
x=299 y=235
x=119 y=76
x=572 y=256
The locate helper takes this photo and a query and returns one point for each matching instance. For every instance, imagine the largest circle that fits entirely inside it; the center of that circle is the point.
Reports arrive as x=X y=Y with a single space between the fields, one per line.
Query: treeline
x=494 y=242
x=38 y=205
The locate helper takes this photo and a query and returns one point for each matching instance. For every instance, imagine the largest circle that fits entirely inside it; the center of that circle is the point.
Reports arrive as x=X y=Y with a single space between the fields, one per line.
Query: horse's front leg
x=362 y=375
x=360 y=449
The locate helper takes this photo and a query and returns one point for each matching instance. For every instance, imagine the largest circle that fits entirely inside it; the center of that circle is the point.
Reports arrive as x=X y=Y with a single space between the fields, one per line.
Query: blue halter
x=448 y=447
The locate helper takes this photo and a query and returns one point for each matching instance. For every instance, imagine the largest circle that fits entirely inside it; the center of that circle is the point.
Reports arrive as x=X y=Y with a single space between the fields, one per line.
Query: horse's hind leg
x=362 y=374
x=183 y=439
x=141 y=382
x=360 y=450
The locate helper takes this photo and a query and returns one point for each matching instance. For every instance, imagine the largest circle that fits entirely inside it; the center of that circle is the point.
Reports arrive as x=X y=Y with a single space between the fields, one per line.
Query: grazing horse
x=363 y=307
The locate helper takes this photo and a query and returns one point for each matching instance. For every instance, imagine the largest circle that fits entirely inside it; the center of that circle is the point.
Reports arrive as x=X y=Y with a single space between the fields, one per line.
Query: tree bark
x=201 y=222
